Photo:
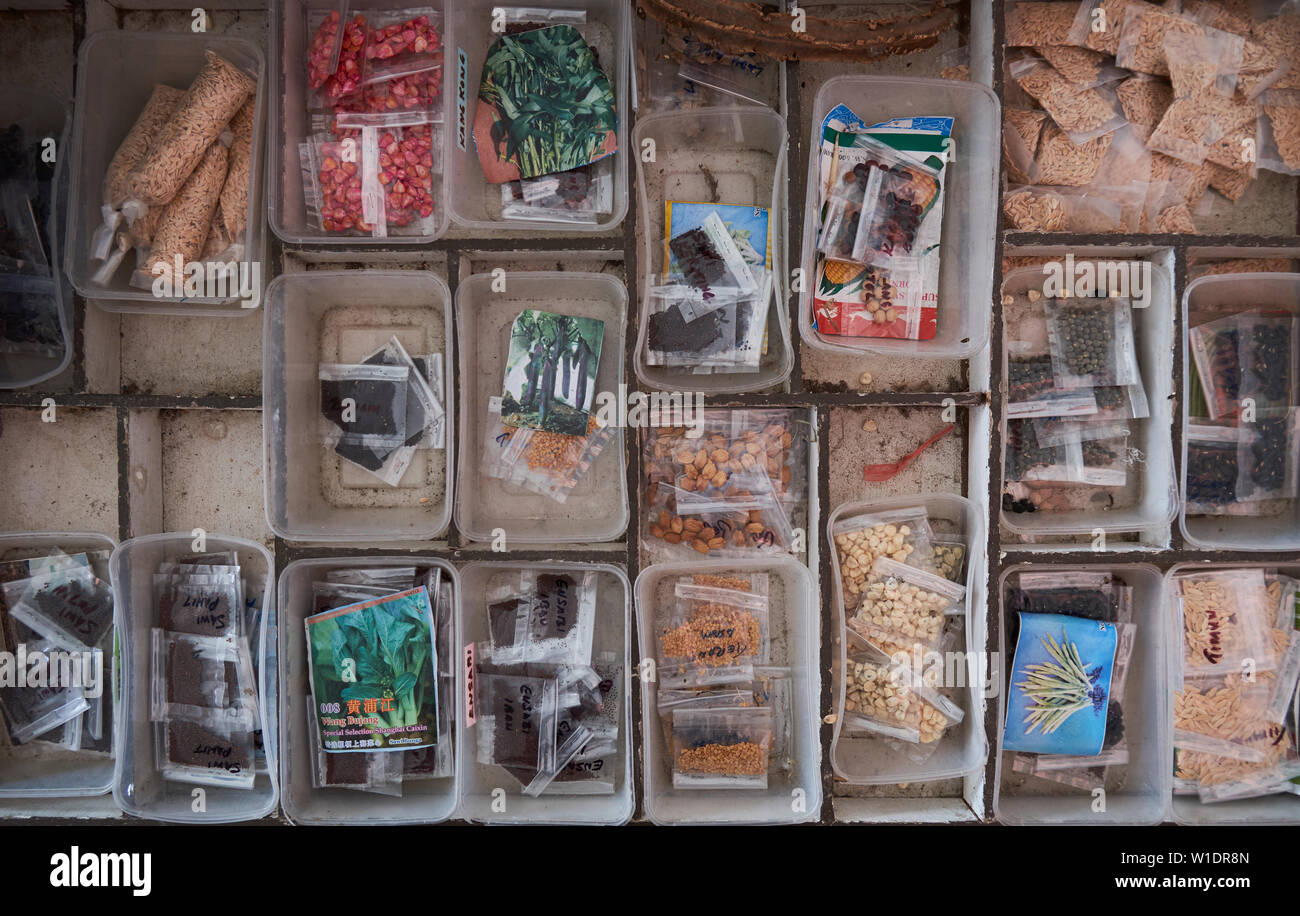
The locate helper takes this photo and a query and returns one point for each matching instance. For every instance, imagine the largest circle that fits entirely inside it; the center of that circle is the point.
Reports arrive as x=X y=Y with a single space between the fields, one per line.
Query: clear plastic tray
x=1157 y=505
x=597 y=507
x=287 y=210
x=476 y=204
x=311 y=495
x=1143 y=797
x=138 y=787
x=490 y=795
x=1267 y=809
x=1240 y=292
x=792 y=798
x=42 y=115
x=60 y=775
x=969 y=215
x=743 y=149
x=428 y=801
x=962 y=751
x=116 y=72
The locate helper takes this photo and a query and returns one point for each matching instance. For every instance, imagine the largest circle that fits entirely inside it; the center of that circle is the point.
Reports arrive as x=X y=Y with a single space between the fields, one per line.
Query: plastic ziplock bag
x=366 y=405
x=70 y=607
x=711 y=635
x=903 y=608
x=1268 y=462
x=548 y=618
x=202 y=678
x=33 y=712
x=401 y=43
x=714 y=329
x=1082 y=113
x=517 y=721
x=889 y=700
x=580 y=195
x=1215 y=347
x=721 y=748
x=877 y=203
x=1073 y=593
x=1212 y=471
x=204 y=605
x=1267 y=356
x=205 y=752
x=1091 y=343
x=1225 y=619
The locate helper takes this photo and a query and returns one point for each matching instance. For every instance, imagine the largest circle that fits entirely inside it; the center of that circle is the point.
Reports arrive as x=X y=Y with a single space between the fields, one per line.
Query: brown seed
x=701 y=546
x=673 y=537
x=676 y=526
x=716 y=543
x=656 y=531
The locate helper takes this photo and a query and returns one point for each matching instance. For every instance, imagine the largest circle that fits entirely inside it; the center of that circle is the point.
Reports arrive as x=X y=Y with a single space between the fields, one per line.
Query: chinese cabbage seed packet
x=373 y=674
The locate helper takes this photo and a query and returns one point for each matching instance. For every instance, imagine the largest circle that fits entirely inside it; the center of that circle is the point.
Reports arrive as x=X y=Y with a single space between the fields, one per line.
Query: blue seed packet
x=1060 y=685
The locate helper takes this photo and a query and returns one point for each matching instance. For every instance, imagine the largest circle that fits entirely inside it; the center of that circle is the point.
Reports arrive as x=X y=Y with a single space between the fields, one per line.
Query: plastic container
x=67 y=774
x=1188 y=810
x=1157 y=503
x=969 y=210
x=343 y=316
x=290 y=123
x=138 y=787
x=476 y=204
x=743 y=150
x=596 y=508
x=1143 y=798
x=427 y=801
x=866 y=761
x=790 y=798
x=42 y=115
x=116 y=72
x=490 y=795
x=1237 y=292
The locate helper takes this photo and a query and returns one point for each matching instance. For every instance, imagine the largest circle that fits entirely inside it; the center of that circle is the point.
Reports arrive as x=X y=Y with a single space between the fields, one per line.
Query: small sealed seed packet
x=71 y=607
x=202 y=678
x=712 y=634
x=1092 y=343
x=716 y=246
x=903 y=608
x=205 y=752
x=209 y=604
x=544 y=617
x=1060 y=685
x=1225 y=617
x=721 y=748
x=373 y=673
x=580 y=195
x=1212 y=470
x=551 y=367
x=517 y=722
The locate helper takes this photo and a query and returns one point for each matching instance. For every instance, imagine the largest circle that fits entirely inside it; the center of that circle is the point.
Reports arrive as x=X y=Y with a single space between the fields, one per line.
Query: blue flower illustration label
x=1060 y=685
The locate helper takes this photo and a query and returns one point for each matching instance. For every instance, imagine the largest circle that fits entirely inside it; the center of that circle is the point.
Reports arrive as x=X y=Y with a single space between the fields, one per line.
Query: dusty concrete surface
x=61 y=475
x=212 y=472
x=192 y=356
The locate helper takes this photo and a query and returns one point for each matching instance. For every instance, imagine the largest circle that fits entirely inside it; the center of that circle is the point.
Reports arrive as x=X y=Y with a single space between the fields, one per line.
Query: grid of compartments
x=177 y=420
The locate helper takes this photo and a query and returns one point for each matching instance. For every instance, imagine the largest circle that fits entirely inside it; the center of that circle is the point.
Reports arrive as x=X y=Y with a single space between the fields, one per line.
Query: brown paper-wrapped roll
x=234 y=193
x=185 y=222
x=212 y=100
x=157 y=111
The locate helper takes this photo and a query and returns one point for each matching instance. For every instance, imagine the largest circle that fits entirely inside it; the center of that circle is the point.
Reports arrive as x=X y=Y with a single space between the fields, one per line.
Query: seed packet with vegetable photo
x=374 y=673
x=1060 y=685
x=551 y=367
x=544 y=106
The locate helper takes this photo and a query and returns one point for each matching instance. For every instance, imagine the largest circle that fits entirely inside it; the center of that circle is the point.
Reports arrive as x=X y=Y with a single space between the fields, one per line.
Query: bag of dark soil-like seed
x=580 y=196
x=517 y=721
x=202 y=678
x=544 y=617
x=205 y=752
x=71 y=607
x=202 y=604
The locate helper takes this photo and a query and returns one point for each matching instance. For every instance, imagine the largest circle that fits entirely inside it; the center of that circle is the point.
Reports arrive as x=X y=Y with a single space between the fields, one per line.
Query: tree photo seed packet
x=551 y=369
x=374 y=674
x=545 y=106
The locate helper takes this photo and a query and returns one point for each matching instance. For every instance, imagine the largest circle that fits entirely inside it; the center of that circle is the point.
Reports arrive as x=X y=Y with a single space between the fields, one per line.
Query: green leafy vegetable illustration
x=556 y=105
x=382 y=652
x=1061 y=687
